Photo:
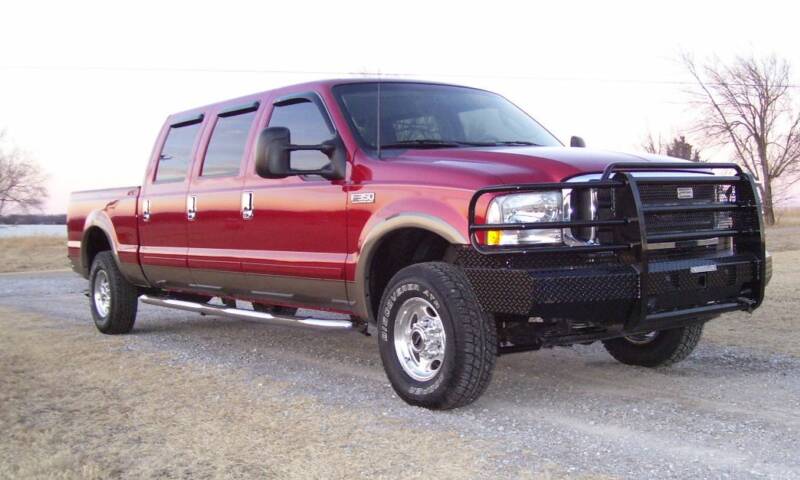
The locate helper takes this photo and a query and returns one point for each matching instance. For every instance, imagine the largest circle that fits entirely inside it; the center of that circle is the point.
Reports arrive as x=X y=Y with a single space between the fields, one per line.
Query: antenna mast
x=378 y=103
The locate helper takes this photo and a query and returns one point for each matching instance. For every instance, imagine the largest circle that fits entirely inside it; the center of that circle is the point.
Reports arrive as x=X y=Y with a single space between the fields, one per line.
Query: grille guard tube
x=630 y=229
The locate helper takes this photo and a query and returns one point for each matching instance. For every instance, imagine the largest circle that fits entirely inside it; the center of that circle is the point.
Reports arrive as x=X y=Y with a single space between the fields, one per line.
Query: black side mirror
x=274 y=148
x=577 y=142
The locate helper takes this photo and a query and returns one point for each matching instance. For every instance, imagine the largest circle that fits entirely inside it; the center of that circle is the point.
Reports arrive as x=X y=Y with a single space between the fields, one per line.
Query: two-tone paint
x=306 y=241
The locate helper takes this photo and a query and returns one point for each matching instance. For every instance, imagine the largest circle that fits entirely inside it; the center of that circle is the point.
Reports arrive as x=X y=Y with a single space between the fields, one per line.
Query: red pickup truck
x=442 y=217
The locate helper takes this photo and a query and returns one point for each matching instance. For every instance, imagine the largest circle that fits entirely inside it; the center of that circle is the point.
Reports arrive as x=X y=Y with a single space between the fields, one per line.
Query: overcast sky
x=85 y=86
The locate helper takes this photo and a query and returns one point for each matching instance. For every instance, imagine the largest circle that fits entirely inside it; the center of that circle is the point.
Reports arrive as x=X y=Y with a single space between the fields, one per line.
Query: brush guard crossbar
x=627 y=224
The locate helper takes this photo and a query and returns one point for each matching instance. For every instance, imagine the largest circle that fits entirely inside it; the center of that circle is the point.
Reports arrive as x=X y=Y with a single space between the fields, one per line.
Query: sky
x=85 y=86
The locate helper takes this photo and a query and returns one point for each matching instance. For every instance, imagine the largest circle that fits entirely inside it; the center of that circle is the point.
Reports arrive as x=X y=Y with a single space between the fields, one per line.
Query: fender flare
x=98 y=219
x=371 y=237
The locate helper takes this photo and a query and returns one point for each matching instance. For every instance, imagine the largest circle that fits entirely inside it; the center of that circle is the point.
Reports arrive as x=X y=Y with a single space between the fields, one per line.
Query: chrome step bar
x=223 y=311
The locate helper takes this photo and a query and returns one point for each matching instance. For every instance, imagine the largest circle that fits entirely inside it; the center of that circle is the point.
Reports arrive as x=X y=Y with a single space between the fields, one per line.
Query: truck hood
x=523 y=164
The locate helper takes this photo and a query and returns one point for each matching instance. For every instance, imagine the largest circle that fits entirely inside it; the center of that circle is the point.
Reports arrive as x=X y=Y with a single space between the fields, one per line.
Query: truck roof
x=313 y=85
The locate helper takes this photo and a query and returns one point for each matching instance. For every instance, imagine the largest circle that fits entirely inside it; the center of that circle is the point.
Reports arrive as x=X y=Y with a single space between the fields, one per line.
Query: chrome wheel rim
x=642 y=338
x=102 y=293
x=419 y=339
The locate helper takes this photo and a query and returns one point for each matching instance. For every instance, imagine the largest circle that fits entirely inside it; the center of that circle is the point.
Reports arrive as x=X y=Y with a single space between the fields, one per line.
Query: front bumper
x=608 y=293
x=631 y=282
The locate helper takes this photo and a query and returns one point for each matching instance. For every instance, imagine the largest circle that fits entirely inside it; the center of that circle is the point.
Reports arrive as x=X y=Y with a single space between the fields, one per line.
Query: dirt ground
x=75 y=405
x=186 y=396
x=27 y=254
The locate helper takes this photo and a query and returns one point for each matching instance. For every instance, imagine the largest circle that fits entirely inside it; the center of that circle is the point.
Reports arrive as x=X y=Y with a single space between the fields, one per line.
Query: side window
x=308 y=126
x=176 y=155
x=227 y=144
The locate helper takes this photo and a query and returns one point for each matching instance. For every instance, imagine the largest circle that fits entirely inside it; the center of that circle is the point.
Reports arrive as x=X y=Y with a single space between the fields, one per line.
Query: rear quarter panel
x=114 y=211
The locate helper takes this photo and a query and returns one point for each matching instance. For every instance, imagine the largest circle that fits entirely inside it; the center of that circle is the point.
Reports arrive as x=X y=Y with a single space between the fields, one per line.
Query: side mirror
x=273 y=155
x=577 y=142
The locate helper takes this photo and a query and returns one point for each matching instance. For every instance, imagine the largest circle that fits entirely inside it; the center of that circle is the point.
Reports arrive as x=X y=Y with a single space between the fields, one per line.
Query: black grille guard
x=630 y=232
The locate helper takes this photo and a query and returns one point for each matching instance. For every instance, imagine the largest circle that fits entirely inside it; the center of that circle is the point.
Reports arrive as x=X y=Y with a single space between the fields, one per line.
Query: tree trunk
x=766 y=203
x=766 y=197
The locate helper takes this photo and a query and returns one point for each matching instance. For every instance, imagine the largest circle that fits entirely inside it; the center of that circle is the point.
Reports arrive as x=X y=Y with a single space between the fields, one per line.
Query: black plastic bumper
x=623 y=280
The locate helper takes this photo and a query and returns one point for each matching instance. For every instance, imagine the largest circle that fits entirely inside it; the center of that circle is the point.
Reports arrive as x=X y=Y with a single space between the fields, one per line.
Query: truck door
x=216 y=227
x=163 y=204
x=294 y=237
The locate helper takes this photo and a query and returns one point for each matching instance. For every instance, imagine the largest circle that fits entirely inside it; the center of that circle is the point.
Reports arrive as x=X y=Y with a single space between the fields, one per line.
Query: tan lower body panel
x=311 y=292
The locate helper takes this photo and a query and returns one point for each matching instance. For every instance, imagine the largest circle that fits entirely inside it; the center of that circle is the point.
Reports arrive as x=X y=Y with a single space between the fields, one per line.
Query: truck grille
x=682 y=221
x=662 y=227
x=694 y=219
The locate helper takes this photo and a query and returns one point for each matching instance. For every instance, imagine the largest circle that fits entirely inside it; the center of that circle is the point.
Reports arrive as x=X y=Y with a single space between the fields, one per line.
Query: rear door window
x=227 y=145
x=176 y=155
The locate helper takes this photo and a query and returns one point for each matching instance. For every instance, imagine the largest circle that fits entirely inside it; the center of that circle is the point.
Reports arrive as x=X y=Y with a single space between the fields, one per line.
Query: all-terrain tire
x=120 y=312
x=665 y=348
x=470 y=346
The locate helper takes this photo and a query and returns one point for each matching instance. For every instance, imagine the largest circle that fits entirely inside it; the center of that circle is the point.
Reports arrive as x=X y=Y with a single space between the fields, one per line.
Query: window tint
x=414 y=111
x=177 y=153
x=227 y=144
x=308 y=126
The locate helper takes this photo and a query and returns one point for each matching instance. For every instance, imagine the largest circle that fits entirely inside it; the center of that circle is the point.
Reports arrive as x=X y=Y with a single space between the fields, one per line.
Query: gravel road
x=726 y=412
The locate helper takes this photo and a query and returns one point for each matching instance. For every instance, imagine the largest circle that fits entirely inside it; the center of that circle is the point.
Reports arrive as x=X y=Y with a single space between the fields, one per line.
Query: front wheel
x=437 y=346
x=114 y=300
x=655 y=349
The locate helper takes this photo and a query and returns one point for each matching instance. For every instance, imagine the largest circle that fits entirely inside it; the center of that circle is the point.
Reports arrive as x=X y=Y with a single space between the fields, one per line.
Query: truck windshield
x=417 y=115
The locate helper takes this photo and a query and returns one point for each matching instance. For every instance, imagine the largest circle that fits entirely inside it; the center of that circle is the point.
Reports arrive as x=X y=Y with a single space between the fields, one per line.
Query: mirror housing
x=273 y=153
x=577 y=142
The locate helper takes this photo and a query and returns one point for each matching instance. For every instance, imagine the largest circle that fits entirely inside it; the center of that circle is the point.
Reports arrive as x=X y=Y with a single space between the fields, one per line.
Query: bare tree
x=748 y=105
x=21 y=180
x=653 y=145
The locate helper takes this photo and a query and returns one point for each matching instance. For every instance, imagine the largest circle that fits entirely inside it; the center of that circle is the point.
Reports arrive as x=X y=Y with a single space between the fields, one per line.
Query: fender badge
x=362 y=197
x=703 y=268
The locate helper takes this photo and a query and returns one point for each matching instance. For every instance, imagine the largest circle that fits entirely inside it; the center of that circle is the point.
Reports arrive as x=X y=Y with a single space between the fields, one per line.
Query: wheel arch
x=378 y=234
x=98 y=235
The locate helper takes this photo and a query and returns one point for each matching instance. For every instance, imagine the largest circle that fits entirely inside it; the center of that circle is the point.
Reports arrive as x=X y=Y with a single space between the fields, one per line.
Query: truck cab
x=441 y=217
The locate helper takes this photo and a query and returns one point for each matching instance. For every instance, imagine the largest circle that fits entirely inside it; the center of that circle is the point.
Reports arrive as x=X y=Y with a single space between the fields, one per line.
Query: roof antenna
x=379 y=115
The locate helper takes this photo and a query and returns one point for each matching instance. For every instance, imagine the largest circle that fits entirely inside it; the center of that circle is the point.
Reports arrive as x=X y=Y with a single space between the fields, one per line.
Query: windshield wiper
x=436 y=143
x=423 y=143
x=517 y=142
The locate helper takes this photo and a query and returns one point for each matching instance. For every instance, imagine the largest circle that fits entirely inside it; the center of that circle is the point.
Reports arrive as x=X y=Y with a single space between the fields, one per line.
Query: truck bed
x=112 y=210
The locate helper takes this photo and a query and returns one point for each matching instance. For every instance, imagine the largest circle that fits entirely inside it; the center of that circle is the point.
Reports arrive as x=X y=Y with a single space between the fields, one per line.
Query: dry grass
x=788 y=217
x=75 y=404
x=774 y=326
x=26 y=254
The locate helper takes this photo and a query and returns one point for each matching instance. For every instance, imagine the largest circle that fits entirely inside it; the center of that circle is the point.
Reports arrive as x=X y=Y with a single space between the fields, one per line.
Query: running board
x=223 y=311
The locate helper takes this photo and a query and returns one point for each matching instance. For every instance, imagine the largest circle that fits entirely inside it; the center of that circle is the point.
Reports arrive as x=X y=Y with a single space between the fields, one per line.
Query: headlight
x=533 y=207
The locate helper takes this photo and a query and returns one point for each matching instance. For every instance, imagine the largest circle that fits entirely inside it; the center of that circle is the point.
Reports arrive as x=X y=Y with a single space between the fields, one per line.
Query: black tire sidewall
x=432 y=391
x=660 y=351
x=124 y=297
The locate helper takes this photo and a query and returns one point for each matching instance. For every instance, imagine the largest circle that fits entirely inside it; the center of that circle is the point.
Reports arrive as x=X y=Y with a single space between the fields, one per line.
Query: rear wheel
x=114 y=300
x=437 y=346
x=657 y=348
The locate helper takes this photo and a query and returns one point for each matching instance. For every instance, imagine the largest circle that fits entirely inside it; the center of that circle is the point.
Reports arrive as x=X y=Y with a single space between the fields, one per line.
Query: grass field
x=27 y=254
x=788 y=217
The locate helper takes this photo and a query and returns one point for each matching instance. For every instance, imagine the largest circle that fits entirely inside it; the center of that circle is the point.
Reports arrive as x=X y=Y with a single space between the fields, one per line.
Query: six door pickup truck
x=441 y=218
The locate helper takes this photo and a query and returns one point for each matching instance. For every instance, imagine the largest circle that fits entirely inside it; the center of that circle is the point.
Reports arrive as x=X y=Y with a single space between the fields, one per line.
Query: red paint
x=300 y=228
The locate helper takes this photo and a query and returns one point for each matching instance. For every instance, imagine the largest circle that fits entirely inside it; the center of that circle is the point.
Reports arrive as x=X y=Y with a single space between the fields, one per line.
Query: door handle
x=191 y=207
x=146 y=211
x=247 y=205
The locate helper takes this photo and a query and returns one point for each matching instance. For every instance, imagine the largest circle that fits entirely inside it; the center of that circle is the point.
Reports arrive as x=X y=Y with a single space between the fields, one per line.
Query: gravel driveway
x=726 y=412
